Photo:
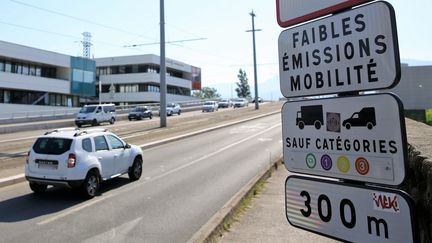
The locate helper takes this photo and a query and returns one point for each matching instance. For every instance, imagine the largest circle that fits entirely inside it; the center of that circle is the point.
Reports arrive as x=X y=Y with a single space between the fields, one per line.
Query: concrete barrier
x=419 y=178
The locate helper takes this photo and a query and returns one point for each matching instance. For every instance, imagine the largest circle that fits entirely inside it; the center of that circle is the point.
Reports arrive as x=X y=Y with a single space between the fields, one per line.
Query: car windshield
x=171 y=105
x=208 y=103
x=138 y=109
x=53 y=146
x=87 y=109
x=238 y=100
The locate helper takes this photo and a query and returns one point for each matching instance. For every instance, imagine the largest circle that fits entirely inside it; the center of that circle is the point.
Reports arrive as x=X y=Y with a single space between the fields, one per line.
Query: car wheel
x=78 y=125
x=130 y=119
x=38 y=188
x=178 y=113
x=94 y=122
x=90 y=186
x=112 y=120
x=317 y=125
x=348 y=126
x=301 y=124
x=135 y=170
x=151 y=117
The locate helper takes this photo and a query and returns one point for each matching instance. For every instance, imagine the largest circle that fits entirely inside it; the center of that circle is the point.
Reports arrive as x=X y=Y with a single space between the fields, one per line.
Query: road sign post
x=349 y=212
x=291 y=12
x=358 y=138
x=345 y=52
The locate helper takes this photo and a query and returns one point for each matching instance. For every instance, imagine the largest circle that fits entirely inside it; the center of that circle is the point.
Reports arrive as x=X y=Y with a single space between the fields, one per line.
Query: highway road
x=183 y=184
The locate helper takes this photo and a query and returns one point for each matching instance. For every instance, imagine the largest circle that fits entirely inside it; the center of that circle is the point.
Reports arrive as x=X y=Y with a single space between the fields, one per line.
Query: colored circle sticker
x=326 y=162
x=343 y=164
x=310 y=161
x=362 y=166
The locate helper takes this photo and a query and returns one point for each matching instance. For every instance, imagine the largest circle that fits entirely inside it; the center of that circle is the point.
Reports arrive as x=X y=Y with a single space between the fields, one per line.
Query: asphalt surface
x=61 y=215
x=184 y=183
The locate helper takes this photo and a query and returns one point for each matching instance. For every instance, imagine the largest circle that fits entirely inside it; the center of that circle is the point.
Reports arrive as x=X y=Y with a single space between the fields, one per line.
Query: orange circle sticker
x=362 y=166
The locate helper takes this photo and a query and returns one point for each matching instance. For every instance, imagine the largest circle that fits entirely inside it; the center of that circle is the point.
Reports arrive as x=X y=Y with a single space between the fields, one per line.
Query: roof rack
x=88 y=131
x=66 y=129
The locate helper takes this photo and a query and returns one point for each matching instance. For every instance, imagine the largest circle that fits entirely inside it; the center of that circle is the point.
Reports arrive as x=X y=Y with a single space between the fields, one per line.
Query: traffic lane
x=170 y=202
x=17 y=144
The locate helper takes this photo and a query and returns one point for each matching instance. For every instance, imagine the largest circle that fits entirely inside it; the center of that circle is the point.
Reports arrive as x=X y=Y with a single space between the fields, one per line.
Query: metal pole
x=254 y=60
x=162 y=71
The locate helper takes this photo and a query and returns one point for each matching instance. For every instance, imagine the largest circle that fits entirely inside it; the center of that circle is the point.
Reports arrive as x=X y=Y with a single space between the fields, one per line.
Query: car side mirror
x=127 y=146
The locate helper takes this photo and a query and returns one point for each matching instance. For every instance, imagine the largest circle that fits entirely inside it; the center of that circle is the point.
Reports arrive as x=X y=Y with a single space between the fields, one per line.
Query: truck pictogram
x=364 y=118
x=311 y=115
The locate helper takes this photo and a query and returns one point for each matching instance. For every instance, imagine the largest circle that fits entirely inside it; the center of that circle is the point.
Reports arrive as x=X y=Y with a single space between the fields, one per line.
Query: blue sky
x=56 y=25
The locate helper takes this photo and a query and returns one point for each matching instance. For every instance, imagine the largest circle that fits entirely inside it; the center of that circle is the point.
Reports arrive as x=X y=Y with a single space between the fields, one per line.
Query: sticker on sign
x=349 y=212
x=345 y=52
x=358 y=138
x=291 y=12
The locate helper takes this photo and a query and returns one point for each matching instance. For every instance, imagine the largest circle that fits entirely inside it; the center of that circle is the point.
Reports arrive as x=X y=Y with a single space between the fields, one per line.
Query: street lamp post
x=254 y=59
x=162 y=72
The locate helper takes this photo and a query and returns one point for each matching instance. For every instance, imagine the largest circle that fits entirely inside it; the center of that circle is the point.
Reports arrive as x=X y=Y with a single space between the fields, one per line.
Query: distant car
x=225 y=103
x=140 y=112
x=210 y=106
x=172 y=108
x=260 y=100
x=240 y=102
x=80 y=159
x=96 y=114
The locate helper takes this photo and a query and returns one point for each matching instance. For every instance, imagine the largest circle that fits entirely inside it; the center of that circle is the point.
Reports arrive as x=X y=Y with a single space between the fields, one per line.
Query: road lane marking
x=73 y=210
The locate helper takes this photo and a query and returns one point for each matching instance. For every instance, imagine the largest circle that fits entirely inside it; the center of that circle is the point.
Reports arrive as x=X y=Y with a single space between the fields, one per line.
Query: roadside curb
x=21 y=177
x=215 y=226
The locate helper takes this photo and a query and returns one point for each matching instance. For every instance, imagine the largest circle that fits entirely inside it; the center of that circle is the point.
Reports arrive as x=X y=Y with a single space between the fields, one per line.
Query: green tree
x=207 y=93
x=243 y=89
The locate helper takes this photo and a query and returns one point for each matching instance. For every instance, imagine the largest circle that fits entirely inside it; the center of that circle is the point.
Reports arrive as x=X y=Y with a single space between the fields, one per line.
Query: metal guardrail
x=21 y=116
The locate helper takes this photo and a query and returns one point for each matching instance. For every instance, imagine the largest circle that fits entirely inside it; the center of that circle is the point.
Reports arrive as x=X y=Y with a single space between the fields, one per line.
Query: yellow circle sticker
x=343 y=164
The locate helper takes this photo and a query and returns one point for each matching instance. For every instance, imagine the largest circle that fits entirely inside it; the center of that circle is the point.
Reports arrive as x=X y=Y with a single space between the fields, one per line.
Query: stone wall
x=419 y=178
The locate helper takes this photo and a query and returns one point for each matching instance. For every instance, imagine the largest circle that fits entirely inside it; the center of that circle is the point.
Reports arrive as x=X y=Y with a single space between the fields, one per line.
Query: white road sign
x=290 y=12
x=349 y=212
x=356 y=50
x=358 y=138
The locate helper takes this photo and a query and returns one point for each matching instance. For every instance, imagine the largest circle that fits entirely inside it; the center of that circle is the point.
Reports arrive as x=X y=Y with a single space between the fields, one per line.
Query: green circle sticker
x=310 y=161
x=343 y=164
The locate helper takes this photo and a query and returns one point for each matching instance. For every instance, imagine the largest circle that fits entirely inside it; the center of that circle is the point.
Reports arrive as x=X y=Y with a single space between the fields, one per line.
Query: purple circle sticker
x=326 y=162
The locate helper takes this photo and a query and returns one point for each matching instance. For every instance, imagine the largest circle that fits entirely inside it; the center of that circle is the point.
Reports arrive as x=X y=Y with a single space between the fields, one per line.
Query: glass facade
x=25 y=68
x=83 y=77
x=141 y=68
x=26 y=97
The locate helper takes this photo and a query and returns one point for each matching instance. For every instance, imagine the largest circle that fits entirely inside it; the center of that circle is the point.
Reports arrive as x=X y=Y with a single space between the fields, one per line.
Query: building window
x=8 y=67
x=2 y=66
x=32 y=70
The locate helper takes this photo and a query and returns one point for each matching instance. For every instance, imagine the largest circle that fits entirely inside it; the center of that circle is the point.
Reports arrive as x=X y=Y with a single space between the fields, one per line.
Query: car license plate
x=47 y=164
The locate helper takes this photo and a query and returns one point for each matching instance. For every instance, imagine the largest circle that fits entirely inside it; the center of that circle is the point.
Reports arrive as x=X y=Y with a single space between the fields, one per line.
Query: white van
x=96 y=114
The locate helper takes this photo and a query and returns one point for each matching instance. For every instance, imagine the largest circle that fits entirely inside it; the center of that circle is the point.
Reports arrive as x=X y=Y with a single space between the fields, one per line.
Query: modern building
x=127 y=80
x=31 y=77
x=415 y=87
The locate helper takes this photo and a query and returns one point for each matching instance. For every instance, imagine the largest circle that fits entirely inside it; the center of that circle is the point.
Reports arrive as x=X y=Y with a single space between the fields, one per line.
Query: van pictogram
x=364 y=118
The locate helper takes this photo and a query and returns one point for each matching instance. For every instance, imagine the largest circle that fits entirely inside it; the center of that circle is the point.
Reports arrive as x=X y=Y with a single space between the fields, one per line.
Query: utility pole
x=162 y=71
x=254 y=59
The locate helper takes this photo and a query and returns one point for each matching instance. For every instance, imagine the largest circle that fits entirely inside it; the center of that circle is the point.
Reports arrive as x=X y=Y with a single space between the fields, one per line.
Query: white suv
x=80 y=159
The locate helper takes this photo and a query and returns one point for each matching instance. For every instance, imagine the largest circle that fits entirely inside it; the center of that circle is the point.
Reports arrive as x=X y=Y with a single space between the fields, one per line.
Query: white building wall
x=415 y=87
x=142 y=97
x=12 y=50
x=143 y=78
x=26 y=82
x=142 y=59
